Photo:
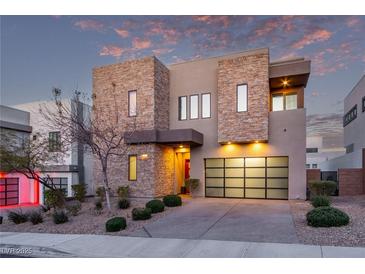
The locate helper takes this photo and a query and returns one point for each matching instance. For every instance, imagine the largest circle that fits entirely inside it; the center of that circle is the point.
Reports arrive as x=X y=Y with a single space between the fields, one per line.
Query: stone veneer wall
x=252 y=125
x=350 y=181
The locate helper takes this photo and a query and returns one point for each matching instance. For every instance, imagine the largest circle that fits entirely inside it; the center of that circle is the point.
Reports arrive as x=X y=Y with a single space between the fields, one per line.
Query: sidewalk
x=71 y=245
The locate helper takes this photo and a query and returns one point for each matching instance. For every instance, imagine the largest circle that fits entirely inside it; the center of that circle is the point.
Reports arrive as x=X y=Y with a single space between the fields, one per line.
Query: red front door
x=187 y=168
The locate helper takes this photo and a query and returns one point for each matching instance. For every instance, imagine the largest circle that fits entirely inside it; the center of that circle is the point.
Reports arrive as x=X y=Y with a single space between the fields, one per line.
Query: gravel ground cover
x=351 y=235
x=88 y=221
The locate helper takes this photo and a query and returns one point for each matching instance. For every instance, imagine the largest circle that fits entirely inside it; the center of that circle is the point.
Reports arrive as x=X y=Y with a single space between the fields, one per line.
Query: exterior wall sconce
x=144 y=156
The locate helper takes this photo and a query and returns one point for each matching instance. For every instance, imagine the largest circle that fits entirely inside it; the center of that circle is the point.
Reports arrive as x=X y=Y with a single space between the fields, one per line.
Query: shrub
x=36 y=217
x=123 y=192
x=115 y=224
x=322 y=187
x=74 y=207
x=98 y=204
x=155 y=206
x=100 y=193
x=192 y=184
x=60 y=217
x=54 y=198
x=172 y=200
x=17 y=217
x=1 y=220
x=123 y=203
x=326 y=216
x=45 y=208
x=141 y=213
x=79 y=192
x=318 y=201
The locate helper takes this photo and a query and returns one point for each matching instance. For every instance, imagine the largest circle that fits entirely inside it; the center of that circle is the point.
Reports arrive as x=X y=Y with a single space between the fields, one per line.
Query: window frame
x=54 y=145
x=129 y=167
x=129 y=102
x=210 y=105
x=283 y=94
x=350 y=116
x=190 y=96
x=238 y=85
x=180 y=108
x=363 y=104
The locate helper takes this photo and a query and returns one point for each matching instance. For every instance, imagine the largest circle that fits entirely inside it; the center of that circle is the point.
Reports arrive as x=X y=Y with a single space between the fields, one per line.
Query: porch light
x=144 y=156
x=285 y=83
x=181 y=146
x=228 y=143
x=256 y=142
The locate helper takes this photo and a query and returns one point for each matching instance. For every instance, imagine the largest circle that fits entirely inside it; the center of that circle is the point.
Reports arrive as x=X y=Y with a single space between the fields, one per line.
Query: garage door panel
x=234 y=182
x=255 y=182
x=255 y=172
x=214 y=192
x=255 y=193
x=277 y=172
x=255 y=162
x=214 y=182
x=277 y=161
x=277 y=193
x=234 y=192
x=214 y=162
x=214 y=172
x=234 y=172
x=277 y=183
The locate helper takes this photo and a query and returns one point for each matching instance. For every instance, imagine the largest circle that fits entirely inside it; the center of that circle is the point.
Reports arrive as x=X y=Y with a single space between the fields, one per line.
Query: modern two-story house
x=235 y=122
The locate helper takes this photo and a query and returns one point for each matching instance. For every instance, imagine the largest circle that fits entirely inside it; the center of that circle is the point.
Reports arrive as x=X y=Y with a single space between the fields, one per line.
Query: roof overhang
x=15 y=126
x=169 y=137
x=295 y=72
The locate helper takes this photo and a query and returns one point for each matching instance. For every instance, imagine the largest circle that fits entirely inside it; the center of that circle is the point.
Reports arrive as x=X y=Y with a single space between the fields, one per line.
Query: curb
x=12 y=250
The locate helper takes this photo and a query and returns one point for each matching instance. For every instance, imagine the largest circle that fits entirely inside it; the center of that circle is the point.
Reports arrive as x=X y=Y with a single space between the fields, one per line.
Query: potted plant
x=192 y=185
x=183 y=188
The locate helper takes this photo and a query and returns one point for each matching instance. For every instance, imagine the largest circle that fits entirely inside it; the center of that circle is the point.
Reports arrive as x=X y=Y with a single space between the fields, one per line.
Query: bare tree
x=103 y=135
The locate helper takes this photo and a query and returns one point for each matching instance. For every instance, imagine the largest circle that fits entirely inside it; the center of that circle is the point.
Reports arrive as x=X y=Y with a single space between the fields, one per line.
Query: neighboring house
x=354 y=131
x=75 y=166
x=15 y=188
x=236 y=122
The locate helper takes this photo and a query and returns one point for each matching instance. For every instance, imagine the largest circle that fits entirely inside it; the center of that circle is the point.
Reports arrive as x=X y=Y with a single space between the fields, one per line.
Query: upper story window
x=132 y=103
x=350 y=116
x=349 y=148
x=281 y=101
x=194 y=106
x=183 y=108
x=206 y=111
x=363 y=104
x=241 y=98
x=54 y=141
x=312 y=150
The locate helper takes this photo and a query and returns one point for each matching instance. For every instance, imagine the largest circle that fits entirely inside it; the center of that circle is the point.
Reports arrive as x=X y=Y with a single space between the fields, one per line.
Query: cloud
x=170 y=35
x=122 y=32
x=324 y=124
x=111 y=50
x=318 y=35
x=222 y=20
x=89 y=24
x=140 y=43
x=162 y=51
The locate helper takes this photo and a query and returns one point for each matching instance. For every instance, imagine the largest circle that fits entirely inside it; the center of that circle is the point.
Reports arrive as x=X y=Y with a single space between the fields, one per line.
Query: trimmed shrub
x=318 y=201
x=54 y=198
x=141 y=213
x=172 y=200
x=74 y=207
x=45 y=208
x=79 y=192
x=60 y=217
x=17 y=217
x=98 y=204
x=123 y=203
x=100 y=193
x=322 y=187
x=35 y=217
x=326 y=216
x=115 y=224
x=155 y=206
x=123 y=192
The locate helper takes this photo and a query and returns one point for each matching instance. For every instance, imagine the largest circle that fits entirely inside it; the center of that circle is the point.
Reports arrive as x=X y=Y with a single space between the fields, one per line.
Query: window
x=183 y=108
x=60 y=183
x=307 y=166
x=349 y=148
x=282 y=101
x=314 y=166
x=54 y=141
x=363 y=104
x=206 y=105
x=194 y=106
x=132 y=168
x=312 y=150
x=132 y=103
x=241 y=98
x=350 y=116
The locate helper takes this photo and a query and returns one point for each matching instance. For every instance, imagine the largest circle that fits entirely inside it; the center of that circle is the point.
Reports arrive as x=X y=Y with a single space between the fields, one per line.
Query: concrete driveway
x=227 y=219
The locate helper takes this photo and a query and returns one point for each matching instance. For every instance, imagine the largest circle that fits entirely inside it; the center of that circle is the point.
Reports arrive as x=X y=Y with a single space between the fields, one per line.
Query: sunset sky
x=41 y=52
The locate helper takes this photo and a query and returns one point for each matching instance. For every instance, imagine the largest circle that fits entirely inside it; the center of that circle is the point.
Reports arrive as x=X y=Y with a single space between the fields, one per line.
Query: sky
x=42 y=52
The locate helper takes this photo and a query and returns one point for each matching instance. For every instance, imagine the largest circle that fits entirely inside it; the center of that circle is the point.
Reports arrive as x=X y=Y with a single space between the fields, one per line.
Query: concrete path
x=227 y=219
x=63 y=245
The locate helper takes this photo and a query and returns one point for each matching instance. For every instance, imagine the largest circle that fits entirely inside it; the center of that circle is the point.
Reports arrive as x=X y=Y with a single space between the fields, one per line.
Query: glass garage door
x=250 y=177
x=9 y=191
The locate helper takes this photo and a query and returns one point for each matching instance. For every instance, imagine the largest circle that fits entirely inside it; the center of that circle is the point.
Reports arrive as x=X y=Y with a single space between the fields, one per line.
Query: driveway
x=227 y=219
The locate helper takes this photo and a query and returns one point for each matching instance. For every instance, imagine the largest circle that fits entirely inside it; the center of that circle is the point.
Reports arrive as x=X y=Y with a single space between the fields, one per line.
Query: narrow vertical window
x=54 y=141
x=291 y=101
x=206 y=112
x=132 y=103
x=194 y=106
x=241 y=98
x=183 y=108
x=277 y=102
x=132 y=167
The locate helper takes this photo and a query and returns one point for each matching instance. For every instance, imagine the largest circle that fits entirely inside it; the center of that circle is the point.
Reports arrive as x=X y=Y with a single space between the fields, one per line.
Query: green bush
x=141 y=213
x=123 y=192
x=74 y=207
x=322 y=187
x=123 y=203
x=172 y=200
x=98 y=204
x=326 y=216
x=17 y=217
x=321 y=200
x=60 y=217
x=115 y=224
x=100 y=193
x=155 y=206
x=79 y=192
x=35 y=217
x=54 y=198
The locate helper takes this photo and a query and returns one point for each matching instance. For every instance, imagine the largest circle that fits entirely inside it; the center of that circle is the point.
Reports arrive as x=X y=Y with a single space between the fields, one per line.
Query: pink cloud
x=122 y=32
x=213 y=19
x=353 y=21
x=319 y=35
x=89 y=24
x=111 y=50
x=140 y=43
x=161 y=51
x=169 y=34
